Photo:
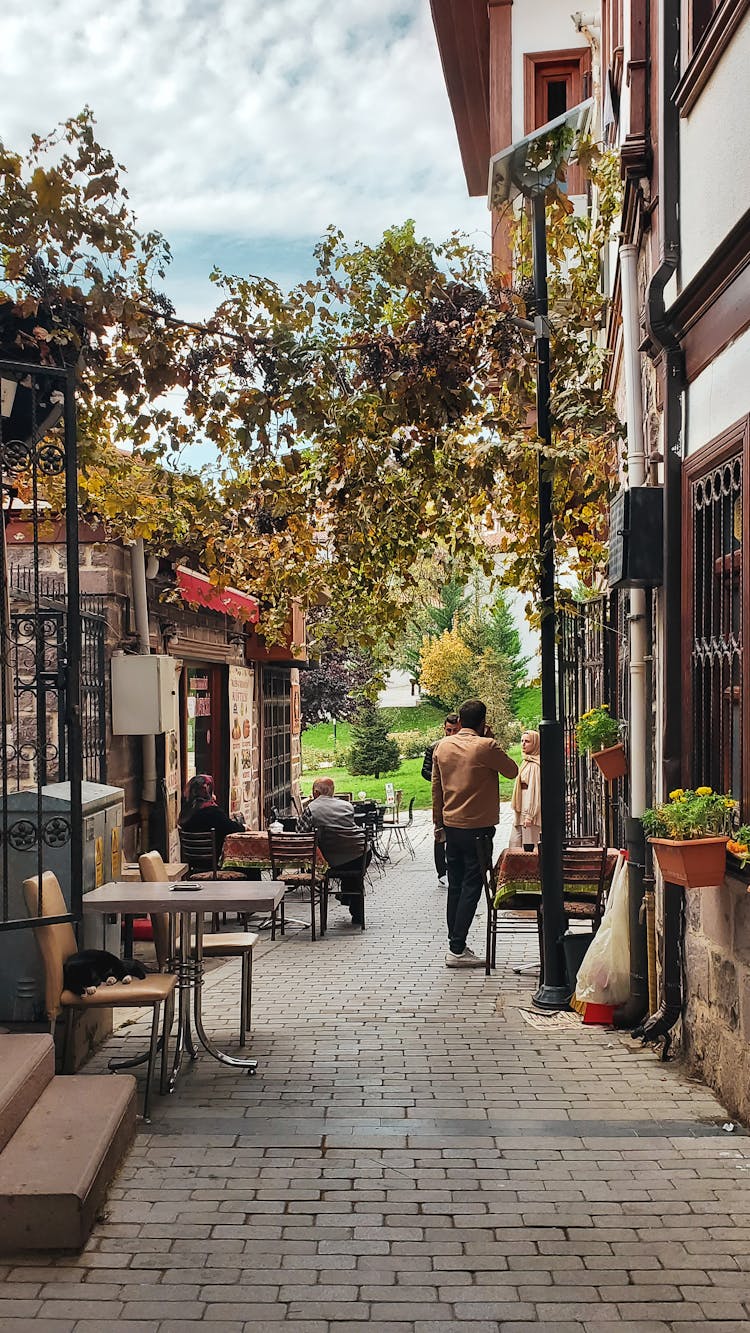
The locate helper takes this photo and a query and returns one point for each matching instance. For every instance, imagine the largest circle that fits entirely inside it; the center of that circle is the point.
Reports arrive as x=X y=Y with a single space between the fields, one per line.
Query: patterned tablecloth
x=518 y=874
x=249 y=851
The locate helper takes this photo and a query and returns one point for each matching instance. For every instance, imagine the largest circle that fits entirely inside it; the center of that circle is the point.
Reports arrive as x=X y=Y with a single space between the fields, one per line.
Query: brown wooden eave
x=463 y=36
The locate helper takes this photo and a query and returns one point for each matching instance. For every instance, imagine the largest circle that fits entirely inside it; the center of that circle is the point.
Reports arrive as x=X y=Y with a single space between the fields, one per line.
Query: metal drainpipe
x=664 y=340
x=637 y=1003
x=148 y=743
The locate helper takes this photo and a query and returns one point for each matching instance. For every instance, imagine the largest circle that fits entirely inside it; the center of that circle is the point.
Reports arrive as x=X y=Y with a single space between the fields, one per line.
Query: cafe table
x=189 y=902
x=249 y=851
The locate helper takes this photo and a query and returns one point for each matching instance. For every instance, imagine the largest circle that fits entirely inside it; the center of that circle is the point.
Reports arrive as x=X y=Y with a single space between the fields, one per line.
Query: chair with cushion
x=399 y=829
x=350 y=883
x=201 y=853
x=57 y=942
x=240 y=944
x=584 y=872
x=294 y=861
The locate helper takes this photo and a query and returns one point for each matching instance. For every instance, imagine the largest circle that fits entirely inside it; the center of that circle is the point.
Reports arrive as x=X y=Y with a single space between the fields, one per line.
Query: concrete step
x=56 y=1169
x=27 y=1061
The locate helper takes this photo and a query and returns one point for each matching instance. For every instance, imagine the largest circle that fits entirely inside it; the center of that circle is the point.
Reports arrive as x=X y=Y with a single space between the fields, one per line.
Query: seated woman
x=200 y=813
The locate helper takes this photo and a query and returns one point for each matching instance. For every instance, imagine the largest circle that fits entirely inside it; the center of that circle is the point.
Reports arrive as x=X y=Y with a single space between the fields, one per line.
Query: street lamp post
x=528 y=168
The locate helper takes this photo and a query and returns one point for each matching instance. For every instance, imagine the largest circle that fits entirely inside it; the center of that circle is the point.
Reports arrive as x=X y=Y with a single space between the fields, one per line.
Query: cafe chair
x=489 y=885
x=200 y=852
x=399 y=829
x=350 y=882
x=238 y=945
x=344 y=796
x=294 y=861
x=56 y=943
x=584 y=869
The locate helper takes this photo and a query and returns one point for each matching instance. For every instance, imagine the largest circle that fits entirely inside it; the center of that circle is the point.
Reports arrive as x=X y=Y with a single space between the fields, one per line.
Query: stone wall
x=716 y=1013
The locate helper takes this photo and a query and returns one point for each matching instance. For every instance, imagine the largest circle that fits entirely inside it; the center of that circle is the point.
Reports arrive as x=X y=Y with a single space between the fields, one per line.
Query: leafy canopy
x=372 y=414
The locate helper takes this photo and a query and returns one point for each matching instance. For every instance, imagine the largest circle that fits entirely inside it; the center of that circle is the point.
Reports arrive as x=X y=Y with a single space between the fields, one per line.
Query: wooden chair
x=344 y=796
x=238 y=945
x=202 y=854
x=57 y=942
x=582 y=865
x=294 y=861
x=399 y=830
x=351 y=883
x=484 y=853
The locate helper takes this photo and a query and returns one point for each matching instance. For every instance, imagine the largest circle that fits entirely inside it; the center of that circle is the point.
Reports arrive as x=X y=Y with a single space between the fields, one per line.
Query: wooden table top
x=131 y=873
x=199 y=896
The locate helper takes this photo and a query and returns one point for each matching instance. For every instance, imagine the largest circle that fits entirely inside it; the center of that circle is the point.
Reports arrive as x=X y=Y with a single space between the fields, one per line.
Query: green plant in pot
x=598 y=734
x=689 y=834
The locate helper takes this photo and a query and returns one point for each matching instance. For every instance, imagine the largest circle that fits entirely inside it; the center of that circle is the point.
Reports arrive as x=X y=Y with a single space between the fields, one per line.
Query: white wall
x=720 y=395
x=715 y=158
x=545 y=26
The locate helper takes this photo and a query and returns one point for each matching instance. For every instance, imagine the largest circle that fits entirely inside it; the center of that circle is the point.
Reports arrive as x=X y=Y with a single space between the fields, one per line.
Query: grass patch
x=408 y=777
x=529 y=709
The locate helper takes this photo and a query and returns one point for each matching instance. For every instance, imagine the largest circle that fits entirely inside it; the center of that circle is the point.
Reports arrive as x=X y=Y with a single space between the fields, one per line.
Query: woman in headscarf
x=526 y=800
x=200 y=813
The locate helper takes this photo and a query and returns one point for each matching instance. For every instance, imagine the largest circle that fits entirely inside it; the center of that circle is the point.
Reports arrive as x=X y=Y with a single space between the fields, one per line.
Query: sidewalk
x=415 y=1152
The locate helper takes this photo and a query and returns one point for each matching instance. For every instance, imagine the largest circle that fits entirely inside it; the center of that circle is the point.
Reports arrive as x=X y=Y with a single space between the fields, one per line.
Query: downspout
x=637 y=1004
x=589 y=26
x=664 y=340
x=148 y=743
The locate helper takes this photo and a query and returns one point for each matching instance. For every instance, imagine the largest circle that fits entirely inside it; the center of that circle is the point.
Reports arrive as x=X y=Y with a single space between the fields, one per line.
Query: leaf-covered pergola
x=376 y=412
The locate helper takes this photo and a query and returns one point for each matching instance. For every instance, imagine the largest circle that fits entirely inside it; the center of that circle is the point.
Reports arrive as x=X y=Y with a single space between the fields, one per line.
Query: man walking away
x=466 y=803
x=450 y=727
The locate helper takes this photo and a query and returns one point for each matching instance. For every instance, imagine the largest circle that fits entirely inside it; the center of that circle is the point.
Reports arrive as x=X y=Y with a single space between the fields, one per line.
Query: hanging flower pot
x=611 y=762
x=696 y=863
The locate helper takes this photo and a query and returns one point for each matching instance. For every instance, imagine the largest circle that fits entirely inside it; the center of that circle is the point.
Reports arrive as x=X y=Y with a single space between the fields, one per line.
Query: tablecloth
x=249 y=851
x=517 y=873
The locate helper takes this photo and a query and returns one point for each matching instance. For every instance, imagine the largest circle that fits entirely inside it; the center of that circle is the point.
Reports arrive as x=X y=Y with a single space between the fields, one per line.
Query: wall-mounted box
x=144 y=688
x=636 y=538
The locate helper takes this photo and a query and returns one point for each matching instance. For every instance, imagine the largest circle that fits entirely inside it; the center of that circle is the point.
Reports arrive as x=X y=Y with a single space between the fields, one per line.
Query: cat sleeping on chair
x=84 y=971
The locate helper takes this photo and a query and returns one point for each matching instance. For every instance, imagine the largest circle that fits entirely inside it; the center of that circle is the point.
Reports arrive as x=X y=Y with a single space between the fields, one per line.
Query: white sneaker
x=466 y=959
x=442 y=882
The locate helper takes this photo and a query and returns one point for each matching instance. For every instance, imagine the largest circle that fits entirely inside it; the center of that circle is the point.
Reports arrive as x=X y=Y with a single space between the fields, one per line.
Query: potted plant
x=738 y=846
x=689 y=834
x=598 y=734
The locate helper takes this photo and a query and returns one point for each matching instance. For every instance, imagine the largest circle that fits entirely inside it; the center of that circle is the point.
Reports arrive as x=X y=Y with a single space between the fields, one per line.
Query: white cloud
x=250 y=118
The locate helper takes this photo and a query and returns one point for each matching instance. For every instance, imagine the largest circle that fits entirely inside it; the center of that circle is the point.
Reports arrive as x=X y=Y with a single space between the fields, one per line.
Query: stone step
x=56 y=1169
x=27 y=1062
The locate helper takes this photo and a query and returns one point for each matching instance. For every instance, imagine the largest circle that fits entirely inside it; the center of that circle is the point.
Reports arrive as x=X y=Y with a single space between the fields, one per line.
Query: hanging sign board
x=241 y=682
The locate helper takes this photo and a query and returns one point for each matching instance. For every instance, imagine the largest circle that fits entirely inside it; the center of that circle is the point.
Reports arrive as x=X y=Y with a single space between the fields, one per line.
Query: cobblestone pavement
x=413 y=1153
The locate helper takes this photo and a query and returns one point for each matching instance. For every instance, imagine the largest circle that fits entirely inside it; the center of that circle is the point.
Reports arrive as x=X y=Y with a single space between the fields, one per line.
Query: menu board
x=241 y=681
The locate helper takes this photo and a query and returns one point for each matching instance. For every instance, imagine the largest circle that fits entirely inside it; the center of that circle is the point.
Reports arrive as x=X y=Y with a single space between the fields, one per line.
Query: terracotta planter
x=612 y=761
x=698 y=863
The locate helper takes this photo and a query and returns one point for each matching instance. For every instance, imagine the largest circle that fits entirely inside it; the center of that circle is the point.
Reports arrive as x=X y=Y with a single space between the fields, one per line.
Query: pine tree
x=373 y=751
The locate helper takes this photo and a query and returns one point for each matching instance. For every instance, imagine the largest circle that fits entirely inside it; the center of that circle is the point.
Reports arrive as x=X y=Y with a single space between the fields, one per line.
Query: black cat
x=84 y=971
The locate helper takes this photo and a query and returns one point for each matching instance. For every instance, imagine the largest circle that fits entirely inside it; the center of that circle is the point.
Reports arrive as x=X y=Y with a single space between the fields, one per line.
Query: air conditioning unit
x=636 y=538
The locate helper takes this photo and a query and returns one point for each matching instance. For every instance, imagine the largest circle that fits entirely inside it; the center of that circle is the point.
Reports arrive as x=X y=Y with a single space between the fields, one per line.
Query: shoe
x=466 y=959
x=442 y=882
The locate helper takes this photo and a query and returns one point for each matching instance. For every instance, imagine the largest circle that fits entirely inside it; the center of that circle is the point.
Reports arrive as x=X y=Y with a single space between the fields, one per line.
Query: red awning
x=198 y=590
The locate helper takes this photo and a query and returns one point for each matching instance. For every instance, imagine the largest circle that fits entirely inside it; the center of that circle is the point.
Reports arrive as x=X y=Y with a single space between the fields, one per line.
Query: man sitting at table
x=340 y=839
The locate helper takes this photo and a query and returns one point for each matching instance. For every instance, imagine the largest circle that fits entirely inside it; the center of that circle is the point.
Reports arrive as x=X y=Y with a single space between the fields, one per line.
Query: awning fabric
x=198 y=590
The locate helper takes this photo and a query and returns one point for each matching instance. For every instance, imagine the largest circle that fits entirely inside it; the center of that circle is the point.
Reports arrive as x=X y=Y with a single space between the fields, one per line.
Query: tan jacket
x=465 y=787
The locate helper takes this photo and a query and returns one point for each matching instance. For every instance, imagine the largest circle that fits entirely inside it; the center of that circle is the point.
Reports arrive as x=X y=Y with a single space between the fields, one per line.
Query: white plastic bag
x=604 y=974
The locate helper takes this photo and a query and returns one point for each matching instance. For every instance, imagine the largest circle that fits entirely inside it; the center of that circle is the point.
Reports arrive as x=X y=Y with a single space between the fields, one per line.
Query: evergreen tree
x=502 y=636
x=373 y=751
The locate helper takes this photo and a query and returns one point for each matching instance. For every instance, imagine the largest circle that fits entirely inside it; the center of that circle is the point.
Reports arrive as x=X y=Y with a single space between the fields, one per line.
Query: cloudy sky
x=247 y=126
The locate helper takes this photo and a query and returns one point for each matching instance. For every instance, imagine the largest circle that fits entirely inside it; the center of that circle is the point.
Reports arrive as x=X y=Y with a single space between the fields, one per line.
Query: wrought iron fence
x=592 y=670
x=41 y=649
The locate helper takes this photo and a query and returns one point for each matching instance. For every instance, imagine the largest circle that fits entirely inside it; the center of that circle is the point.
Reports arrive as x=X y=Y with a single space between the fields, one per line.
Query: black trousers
x=440 y=864
x=464 y=881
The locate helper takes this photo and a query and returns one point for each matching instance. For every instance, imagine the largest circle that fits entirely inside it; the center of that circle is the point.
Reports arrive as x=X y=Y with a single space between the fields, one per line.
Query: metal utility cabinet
x=21 y=973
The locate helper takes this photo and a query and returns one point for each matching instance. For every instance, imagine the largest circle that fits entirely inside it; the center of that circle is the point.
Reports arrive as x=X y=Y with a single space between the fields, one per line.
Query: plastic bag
x=604 y=974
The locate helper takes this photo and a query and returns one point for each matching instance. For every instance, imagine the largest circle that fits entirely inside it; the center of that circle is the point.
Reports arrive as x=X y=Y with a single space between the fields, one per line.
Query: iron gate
x=592 y=670
x=40 y=652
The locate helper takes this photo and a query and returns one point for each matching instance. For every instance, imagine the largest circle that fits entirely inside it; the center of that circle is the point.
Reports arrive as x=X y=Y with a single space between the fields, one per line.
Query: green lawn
x=425 y=718
x=408 y=778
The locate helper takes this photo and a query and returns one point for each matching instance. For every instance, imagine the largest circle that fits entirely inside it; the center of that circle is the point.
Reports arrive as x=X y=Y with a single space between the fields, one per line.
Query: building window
x=701 y=13
x=277 y=742
x=717 y=593
x=555 y=81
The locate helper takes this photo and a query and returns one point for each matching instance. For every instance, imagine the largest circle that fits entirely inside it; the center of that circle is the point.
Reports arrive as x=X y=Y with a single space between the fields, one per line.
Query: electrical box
x=21 y=972
x=144 y=688
x=636 y=538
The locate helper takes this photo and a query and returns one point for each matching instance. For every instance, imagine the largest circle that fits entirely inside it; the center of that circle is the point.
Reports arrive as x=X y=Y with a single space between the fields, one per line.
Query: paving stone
x=411 y=1154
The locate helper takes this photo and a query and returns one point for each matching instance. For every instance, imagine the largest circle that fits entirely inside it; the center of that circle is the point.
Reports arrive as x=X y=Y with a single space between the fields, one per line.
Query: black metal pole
x=553 y=991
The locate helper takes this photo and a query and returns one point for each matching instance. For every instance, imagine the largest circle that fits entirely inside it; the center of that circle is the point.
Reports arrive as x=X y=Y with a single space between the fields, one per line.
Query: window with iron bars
x=277 y=742
x=716 y=702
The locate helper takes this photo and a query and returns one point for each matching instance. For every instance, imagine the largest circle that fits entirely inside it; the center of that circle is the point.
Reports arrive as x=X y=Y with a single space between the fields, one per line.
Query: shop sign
x=241 y=683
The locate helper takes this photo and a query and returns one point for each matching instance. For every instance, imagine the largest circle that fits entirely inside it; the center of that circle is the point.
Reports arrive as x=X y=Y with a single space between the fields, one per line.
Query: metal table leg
x=237 y=1062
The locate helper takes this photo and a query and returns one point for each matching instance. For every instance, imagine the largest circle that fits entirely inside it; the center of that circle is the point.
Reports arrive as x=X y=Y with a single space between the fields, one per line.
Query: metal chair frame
x=300 y=850
x=336 y=873
x=401 y=831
